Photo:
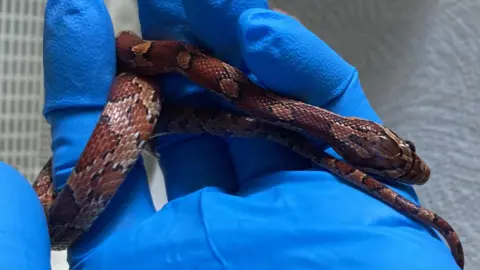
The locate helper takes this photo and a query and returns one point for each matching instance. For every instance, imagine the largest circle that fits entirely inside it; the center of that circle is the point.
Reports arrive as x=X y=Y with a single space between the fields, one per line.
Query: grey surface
x=419 y=64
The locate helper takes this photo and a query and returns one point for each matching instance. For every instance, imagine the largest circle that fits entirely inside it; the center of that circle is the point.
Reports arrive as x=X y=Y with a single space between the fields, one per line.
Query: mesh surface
x=22 y=126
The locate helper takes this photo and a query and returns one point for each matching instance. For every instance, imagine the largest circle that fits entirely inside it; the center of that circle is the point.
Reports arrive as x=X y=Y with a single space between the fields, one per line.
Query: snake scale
x=134 y=114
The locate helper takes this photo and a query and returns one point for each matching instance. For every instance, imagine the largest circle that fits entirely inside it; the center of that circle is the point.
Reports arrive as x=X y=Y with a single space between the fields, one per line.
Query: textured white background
x=419 y=63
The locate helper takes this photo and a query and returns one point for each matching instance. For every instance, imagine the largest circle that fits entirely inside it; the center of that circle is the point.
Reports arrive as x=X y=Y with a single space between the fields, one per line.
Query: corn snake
x=134 y=114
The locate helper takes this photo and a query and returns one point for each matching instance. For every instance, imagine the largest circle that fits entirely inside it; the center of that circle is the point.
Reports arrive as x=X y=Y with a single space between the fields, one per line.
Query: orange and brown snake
x=134 y=114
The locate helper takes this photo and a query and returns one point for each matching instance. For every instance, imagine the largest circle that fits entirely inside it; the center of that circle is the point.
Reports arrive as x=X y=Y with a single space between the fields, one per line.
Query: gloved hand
x=234 y=203
x=24 y=240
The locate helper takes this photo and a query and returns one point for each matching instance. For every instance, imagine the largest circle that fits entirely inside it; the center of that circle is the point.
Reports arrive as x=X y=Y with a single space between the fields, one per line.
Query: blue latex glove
x=234 y=203
x=24 y=240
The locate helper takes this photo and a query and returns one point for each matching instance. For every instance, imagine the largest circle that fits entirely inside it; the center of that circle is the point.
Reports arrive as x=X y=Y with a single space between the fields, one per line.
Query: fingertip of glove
x=290 y=59
x=12 y=182
x=23 y=226
x=66 y=25
x=79 y=53
x=164 y=20
x=215 y=22
x=17 y=192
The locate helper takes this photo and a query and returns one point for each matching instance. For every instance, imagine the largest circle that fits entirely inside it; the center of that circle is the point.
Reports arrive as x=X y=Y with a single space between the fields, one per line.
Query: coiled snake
x=132 y=117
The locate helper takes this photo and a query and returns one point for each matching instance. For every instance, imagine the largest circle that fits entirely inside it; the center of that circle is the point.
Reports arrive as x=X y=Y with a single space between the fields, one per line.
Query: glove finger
x=263 y=40
x=188 y=162
x=25 y=242
x=80 y=65
x=79 y=61
x=164 y=20
x=215 y=23
x=305 y=67
x=87 y=55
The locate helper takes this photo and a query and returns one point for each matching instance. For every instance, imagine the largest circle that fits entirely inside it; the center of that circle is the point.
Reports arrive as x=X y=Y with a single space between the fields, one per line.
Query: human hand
x=235 y=202
x=23 y=229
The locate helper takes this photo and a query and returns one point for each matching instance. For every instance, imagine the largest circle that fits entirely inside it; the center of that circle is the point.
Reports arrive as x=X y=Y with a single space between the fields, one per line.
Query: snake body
x=134 y=114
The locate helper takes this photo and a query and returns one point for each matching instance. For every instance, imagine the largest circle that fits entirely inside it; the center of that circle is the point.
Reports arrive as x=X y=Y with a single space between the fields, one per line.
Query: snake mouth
x=418 y=174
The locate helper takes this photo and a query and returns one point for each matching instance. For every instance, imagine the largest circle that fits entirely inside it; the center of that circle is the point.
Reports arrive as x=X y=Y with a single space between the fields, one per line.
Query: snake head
x=407 y=167
x=378 y=150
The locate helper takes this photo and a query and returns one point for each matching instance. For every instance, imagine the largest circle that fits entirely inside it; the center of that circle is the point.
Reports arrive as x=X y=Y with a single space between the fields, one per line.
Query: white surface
x=419 y=63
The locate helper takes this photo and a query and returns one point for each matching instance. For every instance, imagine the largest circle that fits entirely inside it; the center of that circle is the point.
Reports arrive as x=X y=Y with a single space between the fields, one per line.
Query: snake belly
x=133 y=108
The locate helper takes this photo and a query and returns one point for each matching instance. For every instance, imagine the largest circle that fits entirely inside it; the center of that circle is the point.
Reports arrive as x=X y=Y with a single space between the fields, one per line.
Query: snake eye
x=411 y=145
